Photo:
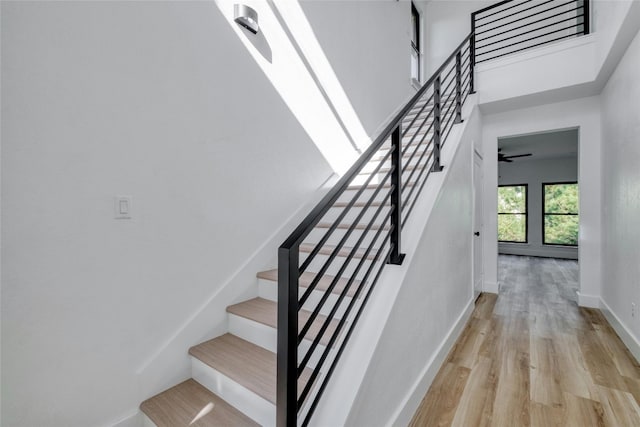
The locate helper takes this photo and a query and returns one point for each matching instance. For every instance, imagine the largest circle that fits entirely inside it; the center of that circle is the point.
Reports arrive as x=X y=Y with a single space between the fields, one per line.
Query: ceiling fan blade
x=518 y=155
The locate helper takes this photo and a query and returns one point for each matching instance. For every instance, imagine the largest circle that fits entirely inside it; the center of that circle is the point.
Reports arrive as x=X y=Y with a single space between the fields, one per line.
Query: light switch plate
x=122 y=207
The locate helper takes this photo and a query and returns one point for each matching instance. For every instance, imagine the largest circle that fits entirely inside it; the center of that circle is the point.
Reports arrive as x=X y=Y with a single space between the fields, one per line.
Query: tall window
x=512 y=213
x=415 y=43
x=560 y=223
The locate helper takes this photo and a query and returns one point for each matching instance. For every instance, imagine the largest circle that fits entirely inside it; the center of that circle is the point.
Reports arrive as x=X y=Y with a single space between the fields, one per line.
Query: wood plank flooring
x=532 y=357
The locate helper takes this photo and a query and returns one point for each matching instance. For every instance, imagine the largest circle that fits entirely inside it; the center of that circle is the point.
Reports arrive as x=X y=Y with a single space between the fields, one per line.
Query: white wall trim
x=536 y=52
x=591 y=301
x=621 y=329
x=410 y=403
x=134 y=420
x=491 y=287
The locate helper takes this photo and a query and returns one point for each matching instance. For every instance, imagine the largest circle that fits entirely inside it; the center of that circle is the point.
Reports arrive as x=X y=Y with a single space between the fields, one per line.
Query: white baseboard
x=412 y=400
x=591 y=301
x=134 y=420
x=491 y=287
x=625 y=335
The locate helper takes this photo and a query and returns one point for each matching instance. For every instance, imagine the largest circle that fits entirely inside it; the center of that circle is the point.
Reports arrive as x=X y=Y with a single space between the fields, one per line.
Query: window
x=560 y=222
x=415 y=43
x=512 y=213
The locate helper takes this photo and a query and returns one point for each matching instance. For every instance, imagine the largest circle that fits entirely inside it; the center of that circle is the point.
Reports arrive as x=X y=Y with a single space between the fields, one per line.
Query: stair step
x=344 y=251
x=307 y=277
x=266 y=312
x=191 y=404
x=249 y=365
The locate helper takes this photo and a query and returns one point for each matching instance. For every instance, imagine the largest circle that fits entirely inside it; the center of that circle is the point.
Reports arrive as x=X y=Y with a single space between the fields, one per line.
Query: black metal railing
x=357 y=228
x=512 y=26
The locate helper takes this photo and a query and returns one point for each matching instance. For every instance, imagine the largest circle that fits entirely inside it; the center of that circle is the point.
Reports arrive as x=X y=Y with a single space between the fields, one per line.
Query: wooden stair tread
x=344 y=251
x=191 y=404
x=307 y=277
x=249 y=365
x=266 y=312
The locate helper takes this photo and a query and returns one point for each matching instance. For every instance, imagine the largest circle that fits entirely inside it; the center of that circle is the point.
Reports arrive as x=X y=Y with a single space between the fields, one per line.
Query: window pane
x=561 y=198
x=561 y=229
x=415 y=65
x=512 y=228
x=512 y=199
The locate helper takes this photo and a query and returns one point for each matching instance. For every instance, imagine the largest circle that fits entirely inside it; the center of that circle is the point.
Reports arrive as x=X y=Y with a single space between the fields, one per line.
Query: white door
x=477 y=224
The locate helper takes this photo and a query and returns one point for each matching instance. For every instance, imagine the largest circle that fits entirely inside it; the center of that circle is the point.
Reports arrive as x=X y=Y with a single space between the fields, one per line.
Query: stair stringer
x=170 y=364
x=346 y=390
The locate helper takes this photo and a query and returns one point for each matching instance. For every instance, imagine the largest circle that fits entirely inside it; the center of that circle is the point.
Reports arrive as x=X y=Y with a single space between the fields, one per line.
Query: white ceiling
x=544 y=145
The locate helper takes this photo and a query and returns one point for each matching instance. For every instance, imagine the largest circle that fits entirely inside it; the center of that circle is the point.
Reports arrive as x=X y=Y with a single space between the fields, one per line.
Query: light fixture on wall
x=246 y=16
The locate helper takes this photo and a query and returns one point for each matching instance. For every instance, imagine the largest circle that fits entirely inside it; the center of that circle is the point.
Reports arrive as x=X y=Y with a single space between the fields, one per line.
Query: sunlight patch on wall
x=278 y=58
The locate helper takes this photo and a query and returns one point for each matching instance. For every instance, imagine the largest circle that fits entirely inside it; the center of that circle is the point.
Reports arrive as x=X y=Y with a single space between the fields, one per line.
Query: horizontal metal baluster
x=571 y=18
x=529 y=39
x=521 y=26
x=417 y=115
x=344 y=212
x=516 y=13
x=415 y=150
x=419 y=178
x=331 y=315
x=339 y=246
x=443 y=80
x=443 y=92
x=413 y=137
x=529 y=47
x=354 y=250
x=465 y=81
x=343 y=320
x=341 y=349
x=502 y=10
x=418 y=163
x=415 y=199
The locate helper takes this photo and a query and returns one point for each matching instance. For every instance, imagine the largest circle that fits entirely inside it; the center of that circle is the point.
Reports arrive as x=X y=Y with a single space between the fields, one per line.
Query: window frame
x=544 y=213
x=415 y=45
x=526 y=213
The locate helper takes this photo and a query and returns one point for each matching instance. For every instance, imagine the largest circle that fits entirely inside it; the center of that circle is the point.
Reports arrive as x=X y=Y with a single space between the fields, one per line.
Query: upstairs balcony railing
x=512 y=26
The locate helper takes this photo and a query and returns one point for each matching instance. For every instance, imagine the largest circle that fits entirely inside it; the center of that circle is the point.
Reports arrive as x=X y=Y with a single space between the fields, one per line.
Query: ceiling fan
x=504 y=158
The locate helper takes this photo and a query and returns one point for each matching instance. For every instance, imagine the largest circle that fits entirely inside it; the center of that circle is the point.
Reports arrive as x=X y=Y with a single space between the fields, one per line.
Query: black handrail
x=424 y=122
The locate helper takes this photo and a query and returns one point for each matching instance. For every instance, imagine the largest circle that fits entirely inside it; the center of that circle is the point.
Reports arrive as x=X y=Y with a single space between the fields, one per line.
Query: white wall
x=163 y=102
x=447 y=23
x=368 y=45
x=583 y=114
x=434 y=298
x=534 y=173
x=621 y=193
x=159 y=101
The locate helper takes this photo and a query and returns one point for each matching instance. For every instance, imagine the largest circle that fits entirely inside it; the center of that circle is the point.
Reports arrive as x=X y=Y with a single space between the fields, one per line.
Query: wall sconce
x=246 y=16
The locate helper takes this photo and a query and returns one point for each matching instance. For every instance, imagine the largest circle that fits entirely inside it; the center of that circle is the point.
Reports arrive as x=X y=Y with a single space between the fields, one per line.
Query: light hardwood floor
x=532 y=357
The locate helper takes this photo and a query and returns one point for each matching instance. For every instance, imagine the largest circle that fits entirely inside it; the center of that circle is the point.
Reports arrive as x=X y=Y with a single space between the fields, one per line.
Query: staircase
x=283 y=345
x=234 y=375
